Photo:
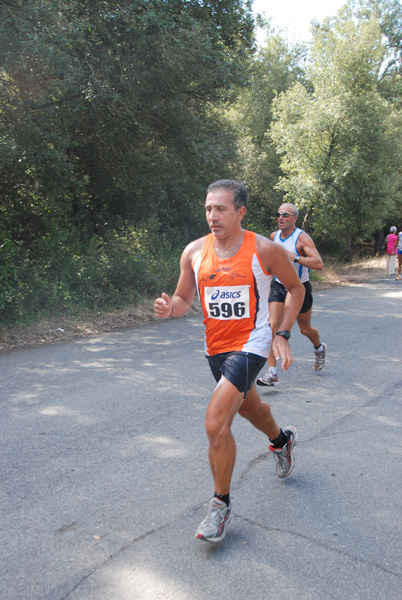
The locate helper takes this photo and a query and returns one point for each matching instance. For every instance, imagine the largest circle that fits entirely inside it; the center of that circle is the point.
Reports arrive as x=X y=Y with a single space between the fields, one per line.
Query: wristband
x=285 y=334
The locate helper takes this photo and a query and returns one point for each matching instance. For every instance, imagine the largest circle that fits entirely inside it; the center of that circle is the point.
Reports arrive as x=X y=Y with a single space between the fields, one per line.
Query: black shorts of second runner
x=277 y=293
x=240 y=368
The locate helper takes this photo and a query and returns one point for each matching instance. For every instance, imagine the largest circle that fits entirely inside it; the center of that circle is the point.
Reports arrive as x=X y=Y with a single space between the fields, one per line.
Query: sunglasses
x=284 y=214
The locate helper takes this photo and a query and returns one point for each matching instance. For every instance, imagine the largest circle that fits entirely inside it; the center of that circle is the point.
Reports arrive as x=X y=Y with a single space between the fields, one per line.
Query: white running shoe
x=319 y=359
x=213 y=527
x=285 y=461
x=269 y=379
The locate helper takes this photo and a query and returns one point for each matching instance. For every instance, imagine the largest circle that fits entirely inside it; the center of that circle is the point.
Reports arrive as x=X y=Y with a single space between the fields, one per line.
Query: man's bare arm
x=309 y=255
x=181 y=301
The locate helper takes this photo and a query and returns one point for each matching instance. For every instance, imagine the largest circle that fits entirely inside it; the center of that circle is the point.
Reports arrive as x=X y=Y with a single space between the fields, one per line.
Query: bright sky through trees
x=296 y=15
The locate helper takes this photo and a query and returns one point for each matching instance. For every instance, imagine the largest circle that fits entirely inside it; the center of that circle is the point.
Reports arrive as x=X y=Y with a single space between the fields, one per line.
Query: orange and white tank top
x=234 y=298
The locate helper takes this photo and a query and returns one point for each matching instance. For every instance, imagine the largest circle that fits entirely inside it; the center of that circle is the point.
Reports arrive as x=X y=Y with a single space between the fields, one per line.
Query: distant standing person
x=398 y=248
x=391 y=242
x=304 y=256
x=230 y=269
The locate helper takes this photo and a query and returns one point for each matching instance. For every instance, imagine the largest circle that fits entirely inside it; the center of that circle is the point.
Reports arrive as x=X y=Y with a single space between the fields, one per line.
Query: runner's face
x=286 y=223
x=222 y=216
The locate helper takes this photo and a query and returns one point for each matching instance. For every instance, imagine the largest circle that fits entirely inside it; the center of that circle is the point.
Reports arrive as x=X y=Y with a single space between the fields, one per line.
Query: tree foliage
x=341 y=142
x=112 y=114
x=276 y=67
x=116 y=115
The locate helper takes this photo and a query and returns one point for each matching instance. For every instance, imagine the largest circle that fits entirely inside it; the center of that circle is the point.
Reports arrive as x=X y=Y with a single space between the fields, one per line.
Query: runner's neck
x=229 y=247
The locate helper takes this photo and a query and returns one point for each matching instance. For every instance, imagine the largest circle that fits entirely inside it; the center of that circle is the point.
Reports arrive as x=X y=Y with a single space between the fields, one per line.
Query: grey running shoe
x=284 y=456
x=213 y=527
x=269 y=379
x=319 y=359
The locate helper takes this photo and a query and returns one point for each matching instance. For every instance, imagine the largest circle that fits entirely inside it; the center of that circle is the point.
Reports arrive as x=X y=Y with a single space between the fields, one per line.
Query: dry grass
x=343 y=274
x=58 y=328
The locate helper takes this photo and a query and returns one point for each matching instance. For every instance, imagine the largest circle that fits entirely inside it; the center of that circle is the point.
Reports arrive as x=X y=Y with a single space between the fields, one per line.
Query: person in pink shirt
x=390 y=251
x=398 y=249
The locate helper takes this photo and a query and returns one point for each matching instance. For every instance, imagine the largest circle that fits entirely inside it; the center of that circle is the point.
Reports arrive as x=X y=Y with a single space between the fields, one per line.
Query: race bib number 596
x=228 y=302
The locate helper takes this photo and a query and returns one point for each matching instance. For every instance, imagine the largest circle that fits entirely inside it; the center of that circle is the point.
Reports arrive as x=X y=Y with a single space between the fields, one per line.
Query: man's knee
x=254 y=411
x=216 y=430
x=245 y=412
x=306 y=330
x=217 y=424
x=311 y=333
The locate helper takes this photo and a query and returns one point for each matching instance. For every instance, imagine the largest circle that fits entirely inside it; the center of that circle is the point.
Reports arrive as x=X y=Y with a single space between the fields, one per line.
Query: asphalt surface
x=105 y=477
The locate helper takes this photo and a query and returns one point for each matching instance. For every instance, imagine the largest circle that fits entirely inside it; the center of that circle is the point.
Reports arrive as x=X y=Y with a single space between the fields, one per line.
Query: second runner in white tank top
x=290 y=244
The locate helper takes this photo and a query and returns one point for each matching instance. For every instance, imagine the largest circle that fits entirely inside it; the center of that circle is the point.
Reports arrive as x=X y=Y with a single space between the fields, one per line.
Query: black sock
x=280 y=441
x=224 y=498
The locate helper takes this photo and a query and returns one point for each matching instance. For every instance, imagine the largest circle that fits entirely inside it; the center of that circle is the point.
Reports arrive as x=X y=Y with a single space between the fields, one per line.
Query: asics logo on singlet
x=219 y=294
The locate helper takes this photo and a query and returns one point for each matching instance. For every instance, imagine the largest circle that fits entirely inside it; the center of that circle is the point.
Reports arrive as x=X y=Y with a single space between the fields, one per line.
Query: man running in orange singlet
x=231 y=270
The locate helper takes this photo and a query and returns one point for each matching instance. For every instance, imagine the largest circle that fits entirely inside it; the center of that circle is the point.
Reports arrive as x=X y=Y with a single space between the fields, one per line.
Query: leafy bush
x=8 y=271
x=59 y=274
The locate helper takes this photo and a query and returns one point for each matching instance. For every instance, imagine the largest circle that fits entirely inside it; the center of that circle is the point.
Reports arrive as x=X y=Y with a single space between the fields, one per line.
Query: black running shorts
x=277 y=293
x=240 y=368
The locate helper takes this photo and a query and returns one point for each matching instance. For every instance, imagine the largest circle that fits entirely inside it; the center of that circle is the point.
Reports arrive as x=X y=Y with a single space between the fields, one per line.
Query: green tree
x=112 y=108
x=275 y=68
x=340 y=143
x=112 y=120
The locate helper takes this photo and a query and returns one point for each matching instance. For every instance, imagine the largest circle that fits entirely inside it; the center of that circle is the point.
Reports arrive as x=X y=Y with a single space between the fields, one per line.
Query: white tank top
x=289 y=244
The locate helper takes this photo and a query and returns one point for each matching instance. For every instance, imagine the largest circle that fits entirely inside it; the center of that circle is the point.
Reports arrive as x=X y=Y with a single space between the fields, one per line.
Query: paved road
x=104 y=472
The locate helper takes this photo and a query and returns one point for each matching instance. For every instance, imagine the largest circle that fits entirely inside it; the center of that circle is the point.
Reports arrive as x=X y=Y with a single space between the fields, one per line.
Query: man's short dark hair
x=240 y=196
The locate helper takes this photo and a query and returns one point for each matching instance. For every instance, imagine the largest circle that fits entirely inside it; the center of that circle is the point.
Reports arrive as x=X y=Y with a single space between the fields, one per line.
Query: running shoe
x=397 y=278
x=213 y=527
x=319 y=359
x=285 y=461
x=269 y=379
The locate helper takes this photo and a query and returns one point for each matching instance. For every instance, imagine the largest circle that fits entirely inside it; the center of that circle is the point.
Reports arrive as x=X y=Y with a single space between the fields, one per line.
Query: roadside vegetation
x=115 y=116
x=61 y=327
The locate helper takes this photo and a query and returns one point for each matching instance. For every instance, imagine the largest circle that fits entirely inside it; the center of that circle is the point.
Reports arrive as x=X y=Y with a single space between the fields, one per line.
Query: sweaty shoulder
x=264 y=247
x=192 y=250
x=305 y=236
x=304 y=240
x=269 y=253
x=262 y=242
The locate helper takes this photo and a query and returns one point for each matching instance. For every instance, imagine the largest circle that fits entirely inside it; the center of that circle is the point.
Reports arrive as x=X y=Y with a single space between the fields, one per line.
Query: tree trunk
x=348 y=251
x=306 y=221
x=379 y=240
